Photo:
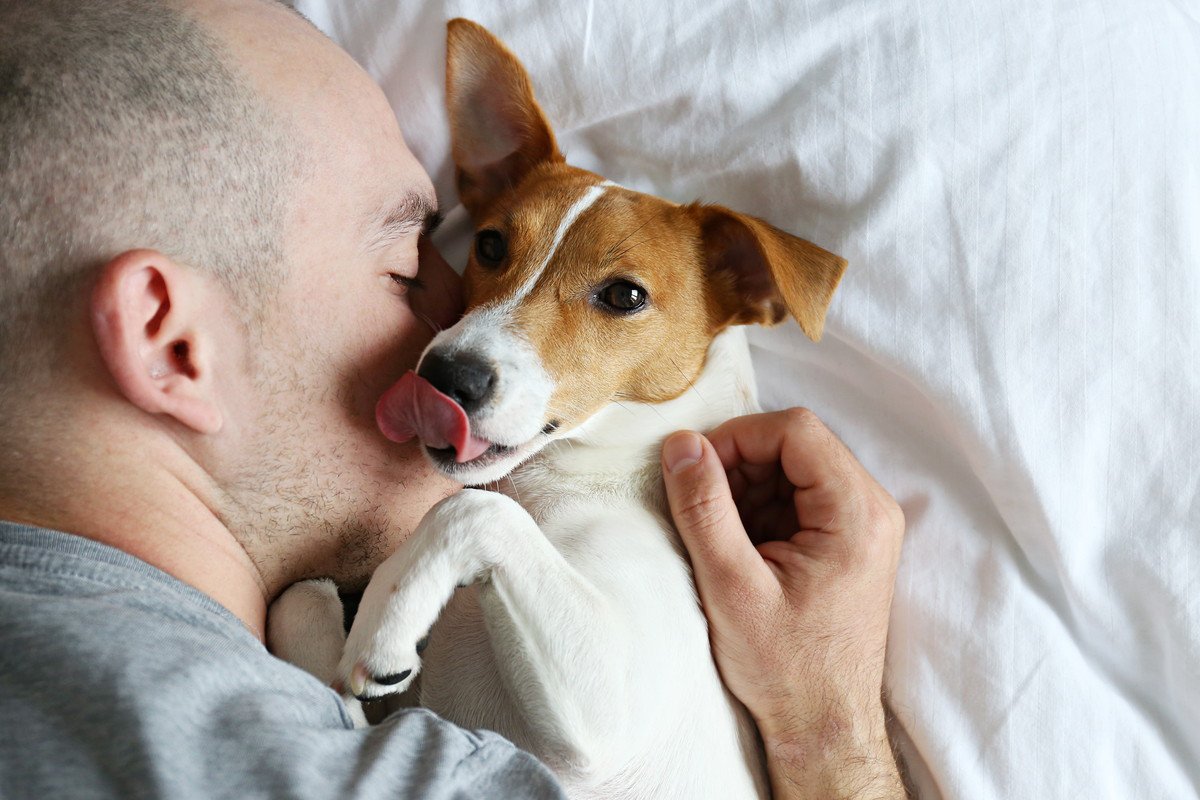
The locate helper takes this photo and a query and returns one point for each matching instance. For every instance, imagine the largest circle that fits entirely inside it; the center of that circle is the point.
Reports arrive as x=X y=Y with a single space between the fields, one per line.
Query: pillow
x=1013 y=352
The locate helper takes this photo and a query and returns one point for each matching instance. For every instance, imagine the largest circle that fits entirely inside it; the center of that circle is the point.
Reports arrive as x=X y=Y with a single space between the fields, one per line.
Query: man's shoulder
x=108 y=664
x=55 y=583
x=88 y=631
x=73 y=607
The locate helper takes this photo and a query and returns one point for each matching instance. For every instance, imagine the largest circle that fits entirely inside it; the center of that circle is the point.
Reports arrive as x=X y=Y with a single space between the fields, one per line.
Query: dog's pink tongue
x=413 y=407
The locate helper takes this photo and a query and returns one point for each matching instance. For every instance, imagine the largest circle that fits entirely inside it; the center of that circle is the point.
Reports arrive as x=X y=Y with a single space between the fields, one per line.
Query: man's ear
x=145 y=312
x=758 y=274
x=497 y=131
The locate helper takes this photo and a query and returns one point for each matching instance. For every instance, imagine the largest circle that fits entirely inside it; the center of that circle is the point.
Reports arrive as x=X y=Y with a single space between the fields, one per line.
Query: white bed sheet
x=1013 y=351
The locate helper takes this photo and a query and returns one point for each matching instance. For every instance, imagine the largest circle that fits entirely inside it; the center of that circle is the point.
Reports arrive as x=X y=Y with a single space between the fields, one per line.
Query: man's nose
x=441 y=303
x=465 y=378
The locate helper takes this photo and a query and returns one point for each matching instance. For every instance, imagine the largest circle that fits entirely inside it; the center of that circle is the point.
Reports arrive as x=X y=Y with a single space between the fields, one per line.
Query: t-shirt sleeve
x=178 y=738
x=411 y=754
x=117 y=681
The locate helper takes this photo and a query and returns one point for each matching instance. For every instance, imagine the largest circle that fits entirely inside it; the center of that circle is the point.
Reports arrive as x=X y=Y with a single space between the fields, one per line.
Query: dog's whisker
x=652 y=406
x=608 y=253
x=630 y=248
x=516 y=490
x=431 y=324
x=572 y=409
x=691 y=382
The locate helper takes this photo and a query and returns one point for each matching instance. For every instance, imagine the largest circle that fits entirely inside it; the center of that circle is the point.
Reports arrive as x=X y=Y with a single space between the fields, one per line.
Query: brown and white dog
x=599 y=320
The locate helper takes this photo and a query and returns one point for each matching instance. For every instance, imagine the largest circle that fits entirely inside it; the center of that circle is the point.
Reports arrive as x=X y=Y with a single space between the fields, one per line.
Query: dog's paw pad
x=365 y=685
x=393 y=679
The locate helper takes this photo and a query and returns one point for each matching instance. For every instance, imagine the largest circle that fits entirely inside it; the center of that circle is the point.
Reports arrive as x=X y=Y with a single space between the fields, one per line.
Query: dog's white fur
x=578 y=634
x=516 y=407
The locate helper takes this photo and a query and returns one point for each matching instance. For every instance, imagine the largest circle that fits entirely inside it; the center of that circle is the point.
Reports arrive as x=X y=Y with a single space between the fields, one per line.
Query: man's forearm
x=835 y=759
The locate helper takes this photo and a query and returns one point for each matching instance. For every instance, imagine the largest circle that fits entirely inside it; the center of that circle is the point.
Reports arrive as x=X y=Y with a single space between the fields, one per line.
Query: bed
x=1015 y=349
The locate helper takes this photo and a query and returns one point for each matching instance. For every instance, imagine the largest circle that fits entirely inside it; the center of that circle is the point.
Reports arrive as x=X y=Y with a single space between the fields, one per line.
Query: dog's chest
x=560 y=486
x=619 y=549
x=598 y=500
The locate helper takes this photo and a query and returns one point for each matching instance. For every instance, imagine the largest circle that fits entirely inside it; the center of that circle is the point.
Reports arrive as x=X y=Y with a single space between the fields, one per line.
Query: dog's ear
x=759 y=274
x=497 y=131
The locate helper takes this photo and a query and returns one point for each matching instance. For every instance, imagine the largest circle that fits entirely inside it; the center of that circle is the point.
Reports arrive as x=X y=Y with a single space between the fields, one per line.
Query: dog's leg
x=555 y=637
x=305 y=627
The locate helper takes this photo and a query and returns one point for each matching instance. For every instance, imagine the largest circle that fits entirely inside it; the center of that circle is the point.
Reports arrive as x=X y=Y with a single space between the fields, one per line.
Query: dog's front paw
x=384 y=666
x=383 y=651
x=457 y=542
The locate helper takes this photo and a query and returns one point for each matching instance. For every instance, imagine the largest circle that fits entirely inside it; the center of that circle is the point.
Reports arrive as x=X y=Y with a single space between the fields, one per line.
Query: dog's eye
x=490 y=247
x=622 y=297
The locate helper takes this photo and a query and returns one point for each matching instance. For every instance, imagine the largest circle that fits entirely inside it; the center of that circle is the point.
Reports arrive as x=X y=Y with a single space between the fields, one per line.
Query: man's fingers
x=810 y=454
x=724 y=560
x=833 y=490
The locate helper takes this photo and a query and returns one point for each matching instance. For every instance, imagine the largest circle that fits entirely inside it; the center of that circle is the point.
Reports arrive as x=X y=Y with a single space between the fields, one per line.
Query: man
x=211 y=264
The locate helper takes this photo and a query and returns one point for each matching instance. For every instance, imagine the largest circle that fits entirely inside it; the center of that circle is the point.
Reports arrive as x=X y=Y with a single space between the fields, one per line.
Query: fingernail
x=681 y=451
x=358 y=679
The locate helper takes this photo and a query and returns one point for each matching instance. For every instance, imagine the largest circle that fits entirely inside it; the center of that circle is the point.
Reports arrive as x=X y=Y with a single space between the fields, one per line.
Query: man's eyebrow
x=414 y=213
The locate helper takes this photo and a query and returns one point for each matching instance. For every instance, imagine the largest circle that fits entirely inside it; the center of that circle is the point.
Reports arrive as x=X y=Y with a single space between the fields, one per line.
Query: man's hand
x=794 y=548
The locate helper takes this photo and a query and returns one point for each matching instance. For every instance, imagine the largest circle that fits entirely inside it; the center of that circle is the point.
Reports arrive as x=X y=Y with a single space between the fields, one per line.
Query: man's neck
x=144 y=499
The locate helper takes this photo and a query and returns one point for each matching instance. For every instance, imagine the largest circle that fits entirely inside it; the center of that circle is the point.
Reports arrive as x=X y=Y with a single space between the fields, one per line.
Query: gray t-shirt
x=119 y=681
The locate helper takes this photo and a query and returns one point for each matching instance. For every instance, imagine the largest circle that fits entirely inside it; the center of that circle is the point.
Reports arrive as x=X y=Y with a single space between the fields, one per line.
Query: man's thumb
x=705 y=514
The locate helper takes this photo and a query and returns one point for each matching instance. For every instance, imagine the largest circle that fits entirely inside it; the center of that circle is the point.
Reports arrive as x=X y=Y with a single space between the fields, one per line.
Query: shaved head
x=212 y=264
x=123 y=124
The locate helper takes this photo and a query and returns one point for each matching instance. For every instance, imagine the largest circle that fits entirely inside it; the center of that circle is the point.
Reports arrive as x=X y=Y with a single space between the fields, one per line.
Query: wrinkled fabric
x=118 y=681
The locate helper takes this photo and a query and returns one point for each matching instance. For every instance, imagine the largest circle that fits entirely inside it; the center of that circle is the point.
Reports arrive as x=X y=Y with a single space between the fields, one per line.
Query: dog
x=560 y=610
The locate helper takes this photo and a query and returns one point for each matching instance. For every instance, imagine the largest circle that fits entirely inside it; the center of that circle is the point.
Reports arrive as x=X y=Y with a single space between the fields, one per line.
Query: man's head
x=209 y=228
x=123 y=122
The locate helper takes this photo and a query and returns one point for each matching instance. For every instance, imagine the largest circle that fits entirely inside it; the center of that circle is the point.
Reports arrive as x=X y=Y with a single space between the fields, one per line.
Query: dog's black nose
x=465 y=379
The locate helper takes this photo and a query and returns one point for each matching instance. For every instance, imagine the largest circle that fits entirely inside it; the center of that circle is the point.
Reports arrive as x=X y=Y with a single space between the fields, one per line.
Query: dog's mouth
x=490 y=465
x=495 y=452
x=449 y=455
x=414 y=408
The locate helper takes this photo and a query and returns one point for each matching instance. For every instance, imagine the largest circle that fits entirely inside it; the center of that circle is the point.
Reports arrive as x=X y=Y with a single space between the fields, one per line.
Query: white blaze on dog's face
x=579 y=292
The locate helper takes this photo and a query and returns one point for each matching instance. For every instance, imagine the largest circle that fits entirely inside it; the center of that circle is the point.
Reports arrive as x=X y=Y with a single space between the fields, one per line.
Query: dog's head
x=580 y=293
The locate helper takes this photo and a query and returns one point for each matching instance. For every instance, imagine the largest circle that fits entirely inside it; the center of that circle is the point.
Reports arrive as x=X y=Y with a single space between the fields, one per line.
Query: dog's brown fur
x=703 y=267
